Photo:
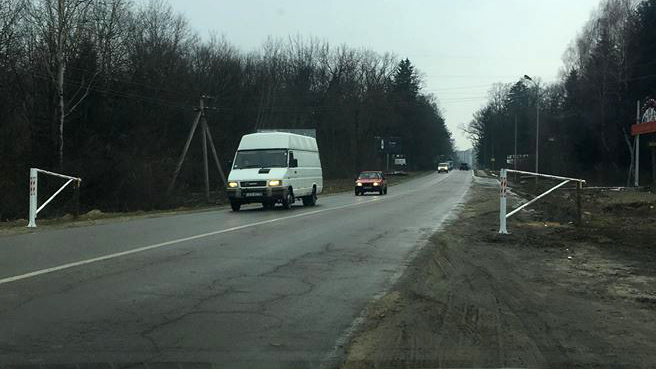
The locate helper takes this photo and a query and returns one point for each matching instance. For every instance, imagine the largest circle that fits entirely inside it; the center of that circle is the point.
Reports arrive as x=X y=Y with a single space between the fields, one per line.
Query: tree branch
x=86 y=93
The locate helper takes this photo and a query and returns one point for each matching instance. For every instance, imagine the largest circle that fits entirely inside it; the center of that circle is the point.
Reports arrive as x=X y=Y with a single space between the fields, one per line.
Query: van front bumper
x=256 y=194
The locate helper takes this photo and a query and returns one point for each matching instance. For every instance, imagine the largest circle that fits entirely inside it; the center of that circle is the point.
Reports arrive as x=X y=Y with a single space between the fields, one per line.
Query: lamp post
x=537 y=123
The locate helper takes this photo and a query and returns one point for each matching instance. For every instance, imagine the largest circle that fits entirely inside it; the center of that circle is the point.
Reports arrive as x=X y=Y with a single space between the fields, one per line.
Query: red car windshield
x=369 y=175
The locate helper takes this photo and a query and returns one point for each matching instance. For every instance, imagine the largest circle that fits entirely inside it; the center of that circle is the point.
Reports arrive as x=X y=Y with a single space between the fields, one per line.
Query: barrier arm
x=34 y=180
x=504 y=184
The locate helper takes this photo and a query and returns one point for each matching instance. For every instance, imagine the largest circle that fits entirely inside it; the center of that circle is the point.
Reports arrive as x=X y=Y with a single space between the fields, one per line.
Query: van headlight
x=233 y=184
x=358 y=184
x=275 y=183
x=376 y=183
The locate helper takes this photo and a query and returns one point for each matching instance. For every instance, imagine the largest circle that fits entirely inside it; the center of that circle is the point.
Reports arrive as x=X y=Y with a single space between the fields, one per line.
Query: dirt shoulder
x=550 y=295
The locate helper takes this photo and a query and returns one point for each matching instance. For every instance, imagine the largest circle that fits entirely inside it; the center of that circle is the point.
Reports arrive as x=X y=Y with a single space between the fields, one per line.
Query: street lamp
x=537 y=122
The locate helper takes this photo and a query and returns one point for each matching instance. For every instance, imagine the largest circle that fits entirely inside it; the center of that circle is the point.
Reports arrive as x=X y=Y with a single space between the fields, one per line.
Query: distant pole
x=216 y=157
x=184 y=152
x=537 y=127
x=204 y=139
x=637 y=148
x=537 y=130
x=515 y=158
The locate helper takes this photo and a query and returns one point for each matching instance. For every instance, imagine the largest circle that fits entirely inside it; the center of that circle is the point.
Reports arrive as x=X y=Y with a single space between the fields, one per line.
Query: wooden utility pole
x=206 y=137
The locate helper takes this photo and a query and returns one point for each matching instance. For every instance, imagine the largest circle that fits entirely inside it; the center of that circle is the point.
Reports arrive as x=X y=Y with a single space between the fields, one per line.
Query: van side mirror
x=293 y=163
x=229 y=164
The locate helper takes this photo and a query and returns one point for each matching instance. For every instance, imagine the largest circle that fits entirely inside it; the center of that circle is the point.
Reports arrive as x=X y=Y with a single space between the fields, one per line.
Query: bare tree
x=61 y=23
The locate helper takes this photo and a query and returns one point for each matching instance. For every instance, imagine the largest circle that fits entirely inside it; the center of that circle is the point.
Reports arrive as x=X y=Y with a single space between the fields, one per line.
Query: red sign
x=642 y=128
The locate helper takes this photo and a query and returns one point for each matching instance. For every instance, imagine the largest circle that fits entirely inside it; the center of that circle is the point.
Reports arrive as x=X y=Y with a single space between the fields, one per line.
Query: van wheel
x=385 y=191
x=312 y=199
x=288 y=200
x=235 y=205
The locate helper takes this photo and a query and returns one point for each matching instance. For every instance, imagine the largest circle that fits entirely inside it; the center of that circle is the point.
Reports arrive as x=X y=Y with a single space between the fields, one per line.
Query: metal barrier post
x=33 y=187
x=579 y=214
x=503 y=178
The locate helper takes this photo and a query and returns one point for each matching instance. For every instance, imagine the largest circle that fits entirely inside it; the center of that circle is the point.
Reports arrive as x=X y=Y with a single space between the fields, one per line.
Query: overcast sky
x=460 y=46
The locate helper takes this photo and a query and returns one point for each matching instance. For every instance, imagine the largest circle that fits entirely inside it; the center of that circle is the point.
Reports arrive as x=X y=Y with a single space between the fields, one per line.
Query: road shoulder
x=548 y=295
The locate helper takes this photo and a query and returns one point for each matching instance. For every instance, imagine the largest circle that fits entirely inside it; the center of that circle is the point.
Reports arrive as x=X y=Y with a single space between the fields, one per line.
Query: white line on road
x=179 y=240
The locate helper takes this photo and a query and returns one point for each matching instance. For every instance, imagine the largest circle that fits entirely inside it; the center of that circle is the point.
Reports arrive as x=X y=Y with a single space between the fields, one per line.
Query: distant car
x=464 y=166
x=443 y=167
x=371 y=181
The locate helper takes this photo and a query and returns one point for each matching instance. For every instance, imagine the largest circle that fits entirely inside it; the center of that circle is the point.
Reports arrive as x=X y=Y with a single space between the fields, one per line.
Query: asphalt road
x=258 y=288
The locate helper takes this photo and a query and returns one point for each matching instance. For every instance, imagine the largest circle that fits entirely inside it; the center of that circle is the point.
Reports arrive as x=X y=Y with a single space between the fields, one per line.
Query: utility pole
x=537 y=127
x=537 y=130
x=204 y=139
x=206 y=136
x=515 y=157
x=637 y=148
x=515 y=160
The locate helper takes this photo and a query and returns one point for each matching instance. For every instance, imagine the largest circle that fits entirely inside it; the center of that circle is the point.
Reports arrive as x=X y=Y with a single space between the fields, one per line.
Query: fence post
x=33 y=198
x=77 y=200
x=503 y=179
x=579 y=215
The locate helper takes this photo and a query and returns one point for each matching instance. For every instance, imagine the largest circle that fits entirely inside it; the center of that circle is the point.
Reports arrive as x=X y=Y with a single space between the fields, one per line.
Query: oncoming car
x=371 y=181
x=443 y=167
x=276 y=167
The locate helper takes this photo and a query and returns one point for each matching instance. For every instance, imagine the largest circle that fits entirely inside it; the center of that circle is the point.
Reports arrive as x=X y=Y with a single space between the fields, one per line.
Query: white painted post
x=503 y=178
x=637 y=161
x=33 y=199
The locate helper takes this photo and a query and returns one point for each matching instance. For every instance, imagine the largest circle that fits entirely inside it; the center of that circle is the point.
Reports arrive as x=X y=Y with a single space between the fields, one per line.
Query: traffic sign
x=390 y=145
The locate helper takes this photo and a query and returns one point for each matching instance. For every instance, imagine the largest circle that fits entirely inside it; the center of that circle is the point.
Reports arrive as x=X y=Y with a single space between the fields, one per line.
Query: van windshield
x=261 y=159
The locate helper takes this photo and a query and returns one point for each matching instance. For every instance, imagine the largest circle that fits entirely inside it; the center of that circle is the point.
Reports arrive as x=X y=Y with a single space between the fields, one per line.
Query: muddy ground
x=549 y=295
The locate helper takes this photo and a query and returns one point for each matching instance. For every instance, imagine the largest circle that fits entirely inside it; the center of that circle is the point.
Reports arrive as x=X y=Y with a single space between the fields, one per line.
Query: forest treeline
x=106 y=90
x=585 y=117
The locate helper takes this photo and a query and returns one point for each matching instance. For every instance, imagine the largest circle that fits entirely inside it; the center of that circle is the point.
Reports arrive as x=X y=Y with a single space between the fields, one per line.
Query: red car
x=371 y=181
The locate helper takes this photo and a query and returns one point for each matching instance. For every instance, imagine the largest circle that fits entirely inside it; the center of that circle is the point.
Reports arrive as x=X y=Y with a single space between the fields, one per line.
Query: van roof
x=277 y=140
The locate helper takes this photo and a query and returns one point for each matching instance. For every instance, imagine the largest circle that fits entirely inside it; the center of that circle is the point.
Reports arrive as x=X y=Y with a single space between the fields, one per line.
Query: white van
x=275 y=167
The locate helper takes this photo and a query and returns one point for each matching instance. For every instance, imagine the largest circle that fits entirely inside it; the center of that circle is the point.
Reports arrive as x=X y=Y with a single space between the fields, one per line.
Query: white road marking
x=179 y=240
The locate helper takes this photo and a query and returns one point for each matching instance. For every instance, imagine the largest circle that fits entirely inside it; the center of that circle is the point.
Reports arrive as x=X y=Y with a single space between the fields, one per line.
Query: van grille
x=253 y=183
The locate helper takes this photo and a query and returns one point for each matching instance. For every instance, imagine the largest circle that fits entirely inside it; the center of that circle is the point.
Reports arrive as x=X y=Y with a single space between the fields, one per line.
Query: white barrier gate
x=34 y=182
x=503 y=180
